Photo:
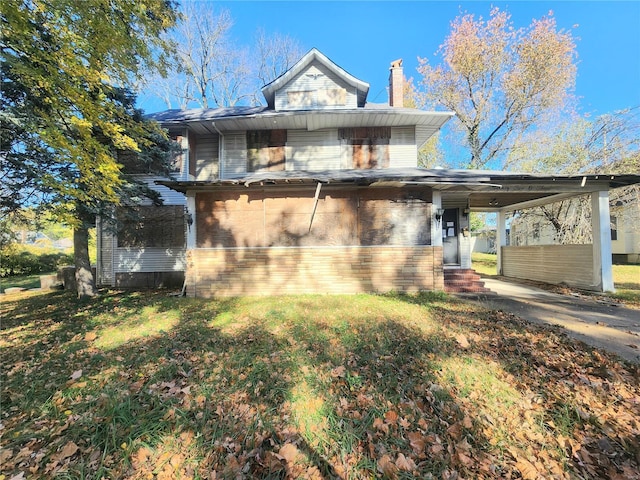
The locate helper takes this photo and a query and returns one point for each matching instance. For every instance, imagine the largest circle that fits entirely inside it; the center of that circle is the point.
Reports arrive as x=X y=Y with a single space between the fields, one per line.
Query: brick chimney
x=396 y=87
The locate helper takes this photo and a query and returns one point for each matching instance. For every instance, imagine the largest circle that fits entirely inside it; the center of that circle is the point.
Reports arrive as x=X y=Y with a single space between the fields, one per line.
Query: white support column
x=600 y=226
x=191 y=211
x=501 y=238
x=436 y=227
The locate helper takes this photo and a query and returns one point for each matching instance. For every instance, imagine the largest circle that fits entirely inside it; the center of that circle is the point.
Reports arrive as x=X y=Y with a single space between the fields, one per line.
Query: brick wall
x=224 y=272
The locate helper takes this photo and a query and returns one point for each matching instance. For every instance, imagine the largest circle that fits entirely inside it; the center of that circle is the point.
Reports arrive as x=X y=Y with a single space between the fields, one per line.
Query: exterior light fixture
x=438 y=214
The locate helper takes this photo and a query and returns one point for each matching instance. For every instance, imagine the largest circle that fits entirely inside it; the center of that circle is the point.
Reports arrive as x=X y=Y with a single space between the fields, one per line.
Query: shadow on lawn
x=257 y=396
x=257 y=388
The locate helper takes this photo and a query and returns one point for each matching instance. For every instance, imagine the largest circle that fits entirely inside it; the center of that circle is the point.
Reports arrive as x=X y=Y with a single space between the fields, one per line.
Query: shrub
x=28 y=260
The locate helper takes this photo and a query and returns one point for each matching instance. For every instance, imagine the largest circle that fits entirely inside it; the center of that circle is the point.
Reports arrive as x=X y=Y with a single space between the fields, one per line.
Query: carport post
x=501 y=238
x=601 y=229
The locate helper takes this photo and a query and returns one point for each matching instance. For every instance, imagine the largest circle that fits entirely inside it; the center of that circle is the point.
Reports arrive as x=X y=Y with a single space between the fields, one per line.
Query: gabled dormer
x=315 y=83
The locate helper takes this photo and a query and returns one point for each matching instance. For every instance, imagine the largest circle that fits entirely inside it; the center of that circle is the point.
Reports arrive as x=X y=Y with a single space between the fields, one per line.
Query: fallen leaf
x=417 y=441
x=466 y=422
x=288 y=452
x=387 y=467
x=462 y=341
x=527 y=469
x=391 y=417
x=405 y=464
x=90 y=336
x=76 y=375
x=69 y=450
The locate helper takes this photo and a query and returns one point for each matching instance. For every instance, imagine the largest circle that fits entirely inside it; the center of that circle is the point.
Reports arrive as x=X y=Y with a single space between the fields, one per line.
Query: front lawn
x=143 y=385
x=24 y=281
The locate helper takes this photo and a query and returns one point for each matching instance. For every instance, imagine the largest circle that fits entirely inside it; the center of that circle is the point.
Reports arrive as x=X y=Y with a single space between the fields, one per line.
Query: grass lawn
x=25 y=281
x=626 y=278
x=143 y=385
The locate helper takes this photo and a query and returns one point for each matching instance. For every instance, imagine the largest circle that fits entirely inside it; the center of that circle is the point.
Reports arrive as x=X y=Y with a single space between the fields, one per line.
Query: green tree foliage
x=499 y=80
x=66 y=110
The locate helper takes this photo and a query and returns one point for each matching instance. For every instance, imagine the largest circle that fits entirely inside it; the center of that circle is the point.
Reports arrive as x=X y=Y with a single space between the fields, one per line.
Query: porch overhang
x=482 y=191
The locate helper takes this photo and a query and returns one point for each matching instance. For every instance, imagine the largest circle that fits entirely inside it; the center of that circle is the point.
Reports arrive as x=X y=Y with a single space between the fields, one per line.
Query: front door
x=450 y=237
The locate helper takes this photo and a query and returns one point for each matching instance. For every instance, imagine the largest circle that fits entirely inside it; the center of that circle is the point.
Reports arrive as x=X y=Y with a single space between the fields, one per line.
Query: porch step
x=458 y=280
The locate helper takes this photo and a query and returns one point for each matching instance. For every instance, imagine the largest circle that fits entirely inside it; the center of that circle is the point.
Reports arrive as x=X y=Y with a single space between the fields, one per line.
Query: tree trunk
x=85 y=282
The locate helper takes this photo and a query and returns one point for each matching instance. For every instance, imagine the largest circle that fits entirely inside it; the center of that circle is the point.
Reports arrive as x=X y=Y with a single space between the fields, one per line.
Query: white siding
x=105 y=245
x=234 y=154
x=317 y=150
x=148 y=259
x=316 y=88
x=206 y=158
x=402 y=148
x=169 y=197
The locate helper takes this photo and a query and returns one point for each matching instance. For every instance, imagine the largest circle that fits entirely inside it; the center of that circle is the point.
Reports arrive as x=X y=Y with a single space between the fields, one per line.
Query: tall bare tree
x=276 y=54
x=211 y=70
x=500 y=80
x=608 y=144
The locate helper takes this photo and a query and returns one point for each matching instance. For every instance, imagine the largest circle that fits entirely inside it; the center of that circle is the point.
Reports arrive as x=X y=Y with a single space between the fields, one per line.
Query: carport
x=583 y=266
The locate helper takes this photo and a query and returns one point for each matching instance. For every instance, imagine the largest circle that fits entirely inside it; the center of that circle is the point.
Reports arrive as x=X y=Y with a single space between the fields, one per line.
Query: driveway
x=600 y=324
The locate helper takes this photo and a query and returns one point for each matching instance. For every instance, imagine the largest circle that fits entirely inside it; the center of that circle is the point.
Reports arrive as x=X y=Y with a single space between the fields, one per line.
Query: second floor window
x=369 y=146
x=266 y=150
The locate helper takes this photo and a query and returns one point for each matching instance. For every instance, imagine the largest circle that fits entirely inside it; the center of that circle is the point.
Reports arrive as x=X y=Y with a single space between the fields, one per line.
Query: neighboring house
x=316 y=192
x=624 y=226
x=484 y=241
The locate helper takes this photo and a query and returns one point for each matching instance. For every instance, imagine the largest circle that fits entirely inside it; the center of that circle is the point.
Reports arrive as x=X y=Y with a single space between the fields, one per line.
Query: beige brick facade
x=224 y=272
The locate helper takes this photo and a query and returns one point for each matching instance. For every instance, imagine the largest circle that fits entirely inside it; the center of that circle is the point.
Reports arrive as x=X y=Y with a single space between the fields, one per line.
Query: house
x=624 y=206
x=319 y=191
x=625 y=226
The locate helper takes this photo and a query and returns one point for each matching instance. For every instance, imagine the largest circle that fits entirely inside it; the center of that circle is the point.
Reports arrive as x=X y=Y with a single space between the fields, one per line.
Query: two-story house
x=317 y=191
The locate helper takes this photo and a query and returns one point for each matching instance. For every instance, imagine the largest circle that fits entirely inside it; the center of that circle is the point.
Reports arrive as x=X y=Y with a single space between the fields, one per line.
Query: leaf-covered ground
x=142 y=385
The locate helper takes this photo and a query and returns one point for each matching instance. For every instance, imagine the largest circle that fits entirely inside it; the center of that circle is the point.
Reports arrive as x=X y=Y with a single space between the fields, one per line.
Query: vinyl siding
x=169 y=197
x=317 y=150
x=316 y=88
x=105 y=245
x=403 y=151
x=234 y=155
x=206 y=158
x=149 y=259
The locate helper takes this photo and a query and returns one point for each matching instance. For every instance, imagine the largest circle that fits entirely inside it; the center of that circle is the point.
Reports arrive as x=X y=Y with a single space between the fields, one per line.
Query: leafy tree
x=430 y=154
x=65 y=109
x=500 y=81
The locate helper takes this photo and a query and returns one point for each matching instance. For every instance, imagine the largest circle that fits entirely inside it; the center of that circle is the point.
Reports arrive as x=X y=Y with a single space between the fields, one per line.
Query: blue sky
x=363 y=37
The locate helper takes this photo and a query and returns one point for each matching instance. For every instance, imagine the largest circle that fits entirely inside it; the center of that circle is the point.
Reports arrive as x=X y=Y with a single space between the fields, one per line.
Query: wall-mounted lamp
x=439 y=213
x=493 y=202
x=188 y=217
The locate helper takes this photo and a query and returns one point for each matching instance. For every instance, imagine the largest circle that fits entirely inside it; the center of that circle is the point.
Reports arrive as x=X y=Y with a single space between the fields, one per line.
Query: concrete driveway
x=600 y=324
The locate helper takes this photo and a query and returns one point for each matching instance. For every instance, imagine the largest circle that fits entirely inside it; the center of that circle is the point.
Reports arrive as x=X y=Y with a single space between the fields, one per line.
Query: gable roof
x=269 y=90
